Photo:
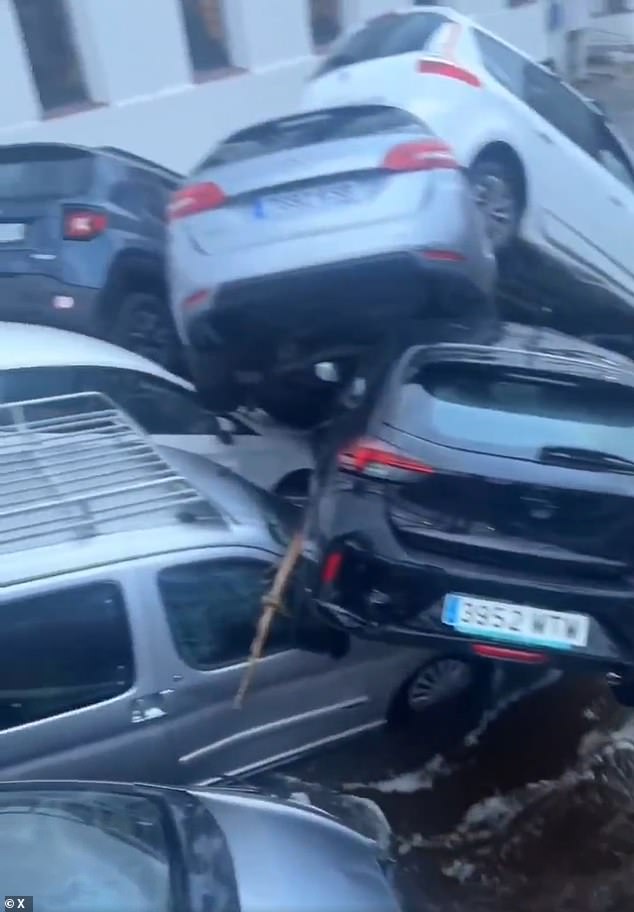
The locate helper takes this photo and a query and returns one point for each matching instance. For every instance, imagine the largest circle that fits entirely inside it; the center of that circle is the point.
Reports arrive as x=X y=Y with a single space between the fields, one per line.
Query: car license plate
x=11 y=232
x=515 y=623
x=297 y=202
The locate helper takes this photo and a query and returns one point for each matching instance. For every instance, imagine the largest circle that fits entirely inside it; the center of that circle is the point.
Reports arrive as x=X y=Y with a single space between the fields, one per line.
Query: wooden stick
x=271 y=604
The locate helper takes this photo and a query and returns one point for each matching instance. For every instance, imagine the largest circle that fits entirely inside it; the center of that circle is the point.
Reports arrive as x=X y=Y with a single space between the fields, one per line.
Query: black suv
x=487 y=508
x=82 y=244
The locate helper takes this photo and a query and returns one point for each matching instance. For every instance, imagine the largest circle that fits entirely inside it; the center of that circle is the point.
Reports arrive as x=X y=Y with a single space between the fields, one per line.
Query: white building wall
x=136 y=60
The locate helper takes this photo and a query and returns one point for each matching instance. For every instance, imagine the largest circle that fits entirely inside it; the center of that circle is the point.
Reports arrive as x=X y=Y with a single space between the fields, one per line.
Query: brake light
x=509 y=655
x=449 y=70
x=84 y=225
x=378 y=460
x=196 y=300
x=429 y=155
x=331 y=568
x=194 y=199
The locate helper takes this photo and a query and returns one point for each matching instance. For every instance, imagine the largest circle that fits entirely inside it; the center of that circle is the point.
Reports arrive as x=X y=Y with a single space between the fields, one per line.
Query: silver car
x=302 y=239
x=80 y=846
x=130 y=588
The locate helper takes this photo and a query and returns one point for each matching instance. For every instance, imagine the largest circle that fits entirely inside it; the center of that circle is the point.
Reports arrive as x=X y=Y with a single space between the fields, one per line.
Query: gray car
x=302 y=239
x=79 y=846
x=130 y=587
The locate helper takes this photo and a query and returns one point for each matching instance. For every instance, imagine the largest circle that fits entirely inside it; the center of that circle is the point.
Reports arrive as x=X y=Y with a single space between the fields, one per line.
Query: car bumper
x=399 y=599
x=42 y=300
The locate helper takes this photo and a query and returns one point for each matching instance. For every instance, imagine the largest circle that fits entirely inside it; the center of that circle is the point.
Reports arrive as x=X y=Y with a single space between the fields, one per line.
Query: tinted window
x=213 y=608
x=158 y=406
x=32 y=173
x=309 y=129
x=61 y=651
x=502 y=63
x=85 y=850
x=385 y=36
x=561 y=107
x=502 y=410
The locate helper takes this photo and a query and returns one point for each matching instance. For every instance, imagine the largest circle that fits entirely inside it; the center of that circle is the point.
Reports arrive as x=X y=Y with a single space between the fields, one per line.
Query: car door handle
x=149 y=707
x=546 y=137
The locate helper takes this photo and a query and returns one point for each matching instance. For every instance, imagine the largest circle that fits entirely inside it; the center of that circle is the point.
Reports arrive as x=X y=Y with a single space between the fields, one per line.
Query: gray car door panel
x=71 y=685
x=295 y=699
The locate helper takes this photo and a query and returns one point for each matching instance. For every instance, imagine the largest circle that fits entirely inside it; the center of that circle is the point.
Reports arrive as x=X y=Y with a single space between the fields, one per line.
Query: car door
x=573 y=200
x=72 y=679
x=210 y=606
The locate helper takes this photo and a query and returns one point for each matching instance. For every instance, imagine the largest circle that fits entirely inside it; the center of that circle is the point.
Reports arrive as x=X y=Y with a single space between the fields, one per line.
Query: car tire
x=498 y=194
x=439 y=682
x=144 y=325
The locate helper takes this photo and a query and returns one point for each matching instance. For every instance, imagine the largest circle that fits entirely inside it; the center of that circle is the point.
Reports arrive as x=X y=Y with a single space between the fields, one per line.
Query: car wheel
x=144 y=325
x=441 y=681
x=498 y=196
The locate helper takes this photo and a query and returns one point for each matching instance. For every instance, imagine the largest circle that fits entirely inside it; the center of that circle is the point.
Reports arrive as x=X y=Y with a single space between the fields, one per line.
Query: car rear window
x=328 y=125
x=30 y=173
x=385 y=36
x=514 y=412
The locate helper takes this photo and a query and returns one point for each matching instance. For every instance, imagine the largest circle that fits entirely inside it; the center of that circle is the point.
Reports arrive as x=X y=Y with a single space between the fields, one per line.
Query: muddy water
x=531 y=810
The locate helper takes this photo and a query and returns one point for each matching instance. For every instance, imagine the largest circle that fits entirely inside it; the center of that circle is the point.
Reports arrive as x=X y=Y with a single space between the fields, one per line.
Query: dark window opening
x=48 y=35
x=325 y=21
x=213 y=608
x=206 y=33
x=62 y=651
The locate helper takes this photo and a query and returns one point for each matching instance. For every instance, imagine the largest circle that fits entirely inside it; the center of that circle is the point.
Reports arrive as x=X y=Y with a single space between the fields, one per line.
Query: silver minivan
x=130 y=587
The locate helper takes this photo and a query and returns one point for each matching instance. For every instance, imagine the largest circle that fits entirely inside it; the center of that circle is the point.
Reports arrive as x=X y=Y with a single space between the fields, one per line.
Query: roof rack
x=76 y=466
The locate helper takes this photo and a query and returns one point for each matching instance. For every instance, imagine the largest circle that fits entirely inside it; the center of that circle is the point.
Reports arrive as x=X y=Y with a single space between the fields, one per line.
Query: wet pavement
x=529 y=808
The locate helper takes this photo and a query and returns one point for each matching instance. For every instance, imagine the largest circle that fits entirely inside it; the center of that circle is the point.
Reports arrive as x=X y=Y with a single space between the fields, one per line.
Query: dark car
x=487 y=507
x=98 y=847
x=82 y=244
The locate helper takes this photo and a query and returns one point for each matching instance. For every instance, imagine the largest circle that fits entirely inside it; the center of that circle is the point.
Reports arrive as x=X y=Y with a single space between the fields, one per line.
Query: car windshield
x=309 y=129
x=85 y=851
x=517 y=413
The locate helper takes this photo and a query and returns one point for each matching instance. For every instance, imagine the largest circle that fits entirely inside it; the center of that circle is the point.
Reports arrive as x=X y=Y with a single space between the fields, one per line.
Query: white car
x=545 y=163
x=38 y=362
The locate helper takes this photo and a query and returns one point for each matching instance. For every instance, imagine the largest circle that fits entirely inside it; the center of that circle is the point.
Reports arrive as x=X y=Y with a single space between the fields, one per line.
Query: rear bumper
x=351 y=301
x=36 y=299
x=389 y=593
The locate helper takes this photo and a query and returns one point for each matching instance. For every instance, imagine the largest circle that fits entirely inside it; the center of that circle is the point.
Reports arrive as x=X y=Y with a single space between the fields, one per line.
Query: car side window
x=549 y=97
x=62 y=651
x=613 y=158
x=504 y=64
x=21 y=384
x=213 y=608
x=158 y=406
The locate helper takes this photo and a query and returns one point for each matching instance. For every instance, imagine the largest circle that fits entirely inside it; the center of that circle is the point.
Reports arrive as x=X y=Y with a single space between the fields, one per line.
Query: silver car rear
x=317 y=230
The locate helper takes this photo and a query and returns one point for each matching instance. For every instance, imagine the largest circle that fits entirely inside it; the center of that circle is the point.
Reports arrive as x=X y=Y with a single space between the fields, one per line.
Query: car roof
x=516 y=339
x=102 y=493
x=29 y=345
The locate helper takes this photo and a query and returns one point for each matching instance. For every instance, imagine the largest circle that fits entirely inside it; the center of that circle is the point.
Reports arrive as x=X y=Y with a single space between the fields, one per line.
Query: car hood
x=292 y=858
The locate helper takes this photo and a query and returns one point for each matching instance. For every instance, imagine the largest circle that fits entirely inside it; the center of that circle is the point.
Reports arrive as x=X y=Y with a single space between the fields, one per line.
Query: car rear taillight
x=194 y=199
x=84 y=224
x=449 y=71
x=428 y=155
x=375 y=459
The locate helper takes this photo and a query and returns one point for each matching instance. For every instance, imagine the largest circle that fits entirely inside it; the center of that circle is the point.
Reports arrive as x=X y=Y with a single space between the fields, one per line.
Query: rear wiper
x=587 y=458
